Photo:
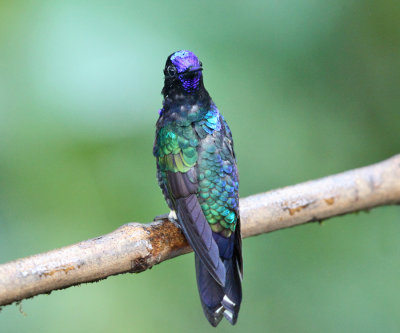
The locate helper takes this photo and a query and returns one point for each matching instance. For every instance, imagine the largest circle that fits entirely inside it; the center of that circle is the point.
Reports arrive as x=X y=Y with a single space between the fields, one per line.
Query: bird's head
x=182 y=72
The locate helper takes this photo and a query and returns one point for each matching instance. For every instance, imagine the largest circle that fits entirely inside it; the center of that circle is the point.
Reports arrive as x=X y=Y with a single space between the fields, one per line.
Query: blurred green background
x=309 y=88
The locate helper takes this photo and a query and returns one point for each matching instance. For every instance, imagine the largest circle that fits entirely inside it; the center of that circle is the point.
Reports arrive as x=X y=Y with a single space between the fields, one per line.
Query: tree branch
x=135 y=247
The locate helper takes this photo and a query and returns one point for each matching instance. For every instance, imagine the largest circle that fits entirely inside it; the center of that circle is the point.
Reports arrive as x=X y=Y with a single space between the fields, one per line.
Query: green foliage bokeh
x=309 y=88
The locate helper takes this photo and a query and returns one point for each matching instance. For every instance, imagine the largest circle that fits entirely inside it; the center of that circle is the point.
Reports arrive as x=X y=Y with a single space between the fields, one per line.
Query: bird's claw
x=161 y=217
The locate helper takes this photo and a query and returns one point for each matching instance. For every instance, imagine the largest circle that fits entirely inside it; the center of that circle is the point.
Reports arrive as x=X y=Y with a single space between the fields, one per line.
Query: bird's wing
x=195 y=225
x=177 y=159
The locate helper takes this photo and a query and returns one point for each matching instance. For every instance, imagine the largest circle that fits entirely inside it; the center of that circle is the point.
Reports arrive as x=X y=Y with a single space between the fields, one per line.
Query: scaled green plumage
x=177 y=144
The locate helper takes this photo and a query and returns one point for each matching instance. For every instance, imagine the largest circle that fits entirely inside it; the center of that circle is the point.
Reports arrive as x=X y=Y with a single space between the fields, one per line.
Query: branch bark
x=135 y=247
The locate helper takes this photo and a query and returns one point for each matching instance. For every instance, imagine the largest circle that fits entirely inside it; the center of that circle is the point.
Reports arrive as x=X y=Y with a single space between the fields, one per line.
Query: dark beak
x=193 y=70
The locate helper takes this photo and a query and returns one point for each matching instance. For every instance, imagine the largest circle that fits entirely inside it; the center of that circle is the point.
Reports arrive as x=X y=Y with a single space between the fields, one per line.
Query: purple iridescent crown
x=184 y=60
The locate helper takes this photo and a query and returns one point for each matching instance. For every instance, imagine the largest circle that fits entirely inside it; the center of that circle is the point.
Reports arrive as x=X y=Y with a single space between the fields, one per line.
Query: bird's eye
x=201 y=64
x=171 y=70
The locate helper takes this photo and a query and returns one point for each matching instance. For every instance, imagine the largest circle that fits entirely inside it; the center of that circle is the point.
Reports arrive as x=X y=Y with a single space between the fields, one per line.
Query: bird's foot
x=161 y=217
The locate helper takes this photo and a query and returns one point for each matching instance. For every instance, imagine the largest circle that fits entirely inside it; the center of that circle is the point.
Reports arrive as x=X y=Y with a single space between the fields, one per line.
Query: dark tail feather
x=211 y=293
x=234 y=275
x=233 y=291
x=216 y=300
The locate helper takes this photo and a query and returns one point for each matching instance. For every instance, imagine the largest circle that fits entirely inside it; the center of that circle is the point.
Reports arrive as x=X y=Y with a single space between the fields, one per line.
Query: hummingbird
x=197 y=173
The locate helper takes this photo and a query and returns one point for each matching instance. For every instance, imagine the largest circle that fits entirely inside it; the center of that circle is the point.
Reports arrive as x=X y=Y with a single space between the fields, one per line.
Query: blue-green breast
x=200 y=138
